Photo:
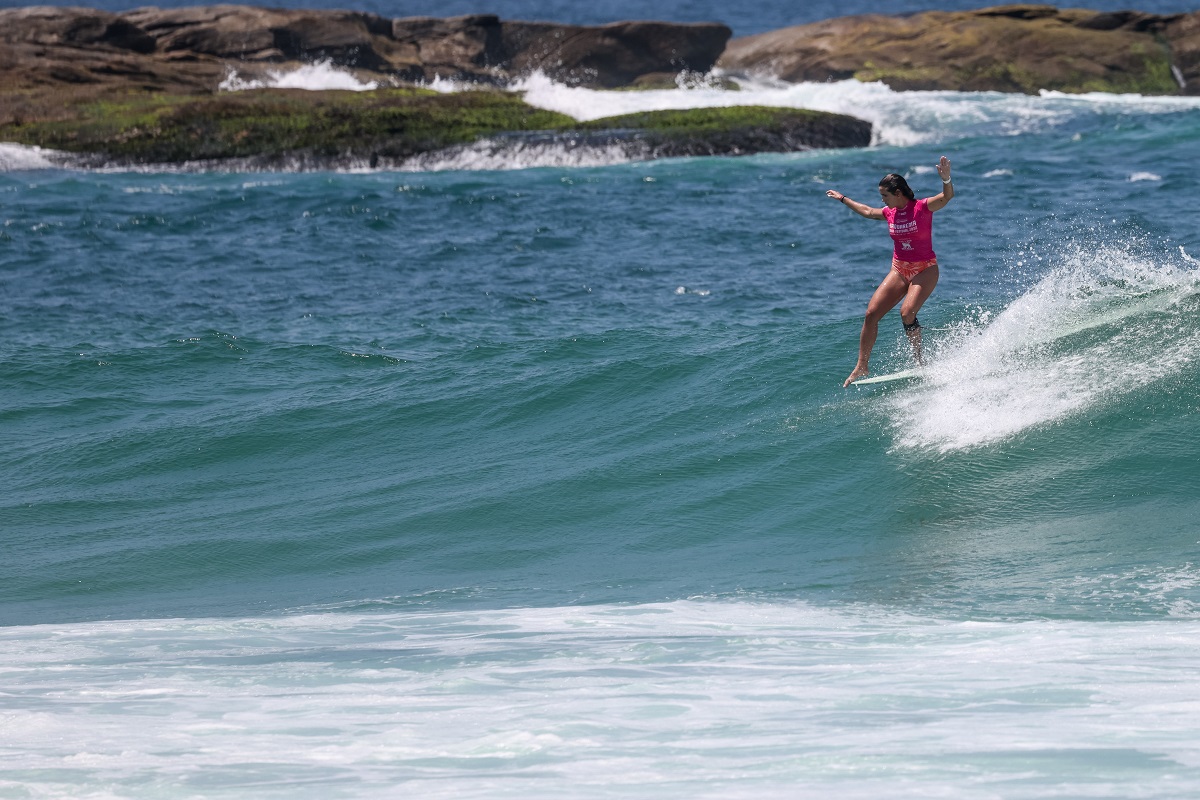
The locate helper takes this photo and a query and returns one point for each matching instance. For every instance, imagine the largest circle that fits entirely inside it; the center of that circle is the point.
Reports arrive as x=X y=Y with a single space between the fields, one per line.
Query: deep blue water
x=541 y=480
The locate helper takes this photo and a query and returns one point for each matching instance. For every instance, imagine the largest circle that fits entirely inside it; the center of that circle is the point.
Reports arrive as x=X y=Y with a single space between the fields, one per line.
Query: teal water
x=315 y=482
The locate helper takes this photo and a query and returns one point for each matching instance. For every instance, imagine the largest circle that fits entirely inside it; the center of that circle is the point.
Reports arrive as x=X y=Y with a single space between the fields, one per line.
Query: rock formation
x=1014 y=48
x=142 y=86
x=1020 y=48
x=607 y=56
x=192 y=48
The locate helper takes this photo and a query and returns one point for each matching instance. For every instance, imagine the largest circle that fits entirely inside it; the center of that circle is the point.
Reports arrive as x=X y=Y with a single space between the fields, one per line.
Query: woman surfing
x=914 y=270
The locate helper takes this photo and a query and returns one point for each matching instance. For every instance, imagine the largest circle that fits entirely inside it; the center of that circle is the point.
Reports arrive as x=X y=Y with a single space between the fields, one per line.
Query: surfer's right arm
x=862 y=209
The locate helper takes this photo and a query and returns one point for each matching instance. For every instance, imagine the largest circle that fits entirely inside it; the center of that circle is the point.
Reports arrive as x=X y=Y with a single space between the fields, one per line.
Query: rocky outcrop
x=141 y=87
x=738 y=131
x=398 y=128
x=189 y=48
x=1014 y=48
x=607 y=56
x=1183 y=36
x=728 y=131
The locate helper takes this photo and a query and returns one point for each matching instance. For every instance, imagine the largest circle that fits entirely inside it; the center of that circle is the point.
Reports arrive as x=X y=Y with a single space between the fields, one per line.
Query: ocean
x=528 y=472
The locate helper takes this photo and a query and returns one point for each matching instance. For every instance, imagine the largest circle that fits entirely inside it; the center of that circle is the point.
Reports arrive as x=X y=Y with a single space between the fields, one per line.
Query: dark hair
x=895 y=184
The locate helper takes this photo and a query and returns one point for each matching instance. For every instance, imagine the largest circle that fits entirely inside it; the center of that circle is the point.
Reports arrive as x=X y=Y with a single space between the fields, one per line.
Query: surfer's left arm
x=862 y=209
x=938 y=201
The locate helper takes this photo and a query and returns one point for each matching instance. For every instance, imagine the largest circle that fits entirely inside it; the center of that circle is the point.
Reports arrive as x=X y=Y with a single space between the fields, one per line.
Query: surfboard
x=906 y=374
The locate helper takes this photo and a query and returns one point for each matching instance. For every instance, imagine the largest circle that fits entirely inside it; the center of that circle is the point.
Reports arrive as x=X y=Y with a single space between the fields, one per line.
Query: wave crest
x=1103 y=323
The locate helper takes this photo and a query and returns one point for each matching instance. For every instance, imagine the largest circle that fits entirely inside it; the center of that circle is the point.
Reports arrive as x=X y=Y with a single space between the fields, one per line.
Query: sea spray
x=16 y=157
x=513 y=152
x=1103 y=322
x=316 y=77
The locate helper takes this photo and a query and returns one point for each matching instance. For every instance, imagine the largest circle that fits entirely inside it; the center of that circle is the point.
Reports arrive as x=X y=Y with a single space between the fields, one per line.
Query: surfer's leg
x=891 y=291
x=918 y=292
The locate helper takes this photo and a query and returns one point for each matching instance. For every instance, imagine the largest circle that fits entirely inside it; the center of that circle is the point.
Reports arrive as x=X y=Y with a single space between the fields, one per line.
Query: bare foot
x=859 y=372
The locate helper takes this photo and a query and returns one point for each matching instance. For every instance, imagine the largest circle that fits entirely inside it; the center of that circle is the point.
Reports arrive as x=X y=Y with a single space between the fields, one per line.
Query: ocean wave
x=1103 y=323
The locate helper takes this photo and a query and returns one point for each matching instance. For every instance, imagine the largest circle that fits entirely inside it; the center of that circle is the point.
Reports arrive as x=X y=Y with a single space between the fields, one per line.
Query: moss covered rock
x=272 y=123
x=284 y=127
x=734 y=130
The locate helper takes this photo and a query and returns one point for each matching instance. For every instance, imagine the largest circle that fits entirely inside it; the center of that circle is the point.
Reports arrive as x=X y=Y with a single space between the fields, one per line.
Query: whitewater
x=695 y=698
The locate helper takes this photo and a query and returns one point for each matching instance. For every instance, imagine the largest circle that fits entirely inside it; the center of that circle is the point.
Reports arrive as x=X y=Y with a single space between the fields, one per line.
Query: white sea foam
x=697 y=699
x=870 y=101
x=319 y=76
x=14 y=157
x=505 y=154
x=1139 y=102
x=900 y=118
x=1001 y=375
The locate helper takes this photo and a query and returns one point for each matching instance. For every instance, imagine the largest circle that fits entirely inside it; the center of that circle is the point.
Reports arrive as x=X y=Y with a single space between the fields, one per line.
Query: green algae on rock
x=387 y=126
x=735 y=130
x=392 y=123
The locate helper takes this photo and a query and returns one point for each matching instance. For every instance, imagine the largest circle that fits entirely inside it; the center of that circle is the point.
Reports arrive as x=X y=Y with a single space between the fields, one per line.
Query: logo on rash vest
x=903 y=228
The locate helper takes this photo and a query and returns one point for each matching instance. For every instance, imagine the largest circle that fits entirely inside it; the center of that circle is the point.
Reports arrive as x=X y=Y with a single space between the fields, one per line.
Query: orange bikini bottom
x=911 y=269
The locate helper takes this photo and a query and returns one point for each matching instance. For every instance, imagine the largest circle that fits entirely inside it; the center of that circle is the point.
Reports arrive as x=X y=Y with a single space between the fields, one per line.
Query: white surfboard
x=906 y=374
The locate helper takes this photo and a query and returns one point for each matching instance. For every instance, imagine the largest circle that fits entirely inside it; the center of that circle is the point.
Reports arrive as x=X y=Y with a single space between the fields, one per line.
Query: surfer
x=914 y=270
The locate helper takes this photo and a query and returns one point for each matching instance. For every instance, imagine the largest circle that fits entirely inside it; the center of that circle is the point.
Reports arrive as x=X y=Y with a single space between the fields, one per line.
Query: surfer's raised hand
x=943 y=168
x=938 y=201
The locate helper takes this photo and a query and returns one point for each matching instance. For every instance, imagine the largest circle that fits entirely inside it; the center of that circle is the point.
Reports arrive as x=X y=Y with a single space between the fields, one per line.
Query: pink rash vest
x=911 y=228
